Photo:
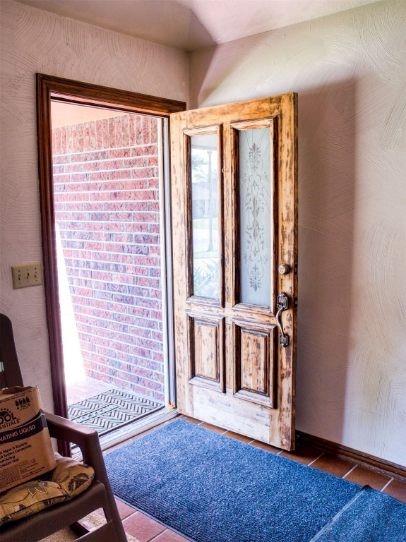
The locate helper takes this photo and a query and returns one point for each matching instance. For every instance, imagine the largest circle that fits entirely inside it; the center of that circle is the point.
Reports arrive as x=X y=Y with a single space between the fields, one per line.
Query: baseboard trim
x=382 y=465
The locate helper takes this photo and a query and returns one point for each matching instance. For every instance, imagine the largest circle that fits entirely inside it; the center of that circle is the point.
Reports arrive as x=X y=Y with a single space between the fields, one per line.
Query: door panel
x=206 y=351
x=234 y=192
x=254 y=367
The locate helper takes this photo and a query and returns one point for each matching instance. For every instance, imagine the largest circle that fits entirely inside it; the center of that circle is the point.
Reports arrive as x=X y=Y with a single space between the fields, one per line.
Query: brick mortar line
x=125 y=381
x=110 y=282
x=124 y=372
x=119 y=303
x=109 y=149
x=115 y=292
x=98 y=160
x=116 y=341
x=106 y=170
x=106 y=233
x=109 y=201
x=103 y=212
x=159 y=342
x=103 y=222
x=111 y=190
x=136 y=358
x=115 y=312
x=135 y=333
x=121 y=361
x=121 y=179
x=110 y=320
x=115 y=272
x=141 y=367
x=117 y=253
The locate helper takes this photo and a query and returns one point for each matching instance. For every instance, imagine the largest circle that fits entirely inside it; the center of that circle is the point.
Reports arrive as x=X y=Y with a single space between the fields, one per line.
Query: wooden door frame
x=80 y=93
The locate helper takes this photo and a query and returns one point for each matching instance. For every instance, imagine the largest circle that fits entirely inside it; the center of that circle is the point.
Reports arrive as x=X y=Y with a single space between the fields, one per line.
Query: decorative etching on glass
x=255 y=181
x=205 y=216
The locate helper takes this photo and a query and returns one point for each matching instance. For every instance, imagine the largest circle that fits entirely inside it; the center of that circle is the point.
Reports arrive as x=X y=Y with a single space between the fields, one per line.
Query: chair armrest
x=87 y=440
x=63 y=429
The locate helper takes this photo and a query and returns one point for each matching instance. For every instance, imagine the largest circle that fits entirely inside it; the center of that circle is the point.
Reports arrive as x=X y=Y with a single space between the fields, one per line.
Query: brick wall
x=106 y=193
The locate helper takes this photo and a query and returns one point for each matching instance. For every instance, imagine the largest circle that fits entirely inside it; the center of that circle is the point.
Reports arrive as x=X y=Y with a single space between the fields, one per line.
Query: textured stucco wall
x=37 y=41
x=350 y=72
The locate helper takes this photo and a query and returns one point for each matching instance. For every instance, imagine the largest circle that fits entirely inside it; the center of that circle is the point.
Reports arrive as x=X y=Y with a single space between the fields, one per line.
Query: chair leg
x=112 y=516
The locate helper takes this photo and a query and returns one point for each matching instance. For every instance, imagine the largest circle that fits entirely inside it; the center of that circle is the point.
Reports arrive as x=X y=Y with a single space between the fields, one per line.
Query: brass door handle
x=282 y=304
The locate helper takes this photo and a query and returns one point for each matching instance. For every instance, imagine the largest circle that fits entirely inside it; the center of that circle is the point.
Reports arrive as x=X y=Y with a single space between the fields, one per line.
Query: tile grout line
x=314 y=460
x=387 y=483
x=159 y=534
x=349 y=472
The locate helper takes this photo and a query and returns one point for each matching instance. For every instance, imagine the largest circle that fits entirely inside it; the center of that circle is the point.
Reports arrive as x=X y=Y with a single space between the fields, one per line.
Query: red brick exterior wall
x=106 y=193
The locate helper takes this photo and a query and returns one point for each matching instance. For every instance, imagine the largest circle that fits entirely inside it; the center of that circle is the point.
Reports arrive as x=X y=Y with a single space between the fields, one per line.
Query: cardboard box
x=25 y=445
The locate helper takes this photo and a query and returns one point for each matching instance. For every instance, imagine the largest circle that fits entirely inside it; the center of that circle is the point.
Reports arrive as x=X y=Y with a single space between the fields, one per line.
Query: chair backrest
x=10 y=374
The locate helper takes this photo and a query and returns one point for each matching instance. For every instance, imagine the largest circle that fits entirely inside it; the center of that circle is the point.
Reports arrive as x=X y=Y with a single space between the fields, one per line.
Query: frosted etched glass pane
x=255 y=181
x=205 y=216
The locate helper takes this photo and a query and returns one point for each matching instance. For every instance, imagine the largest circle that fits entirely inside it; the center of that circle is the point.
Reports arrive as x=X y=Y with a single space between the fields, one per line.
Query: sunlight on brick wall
x=106 y=193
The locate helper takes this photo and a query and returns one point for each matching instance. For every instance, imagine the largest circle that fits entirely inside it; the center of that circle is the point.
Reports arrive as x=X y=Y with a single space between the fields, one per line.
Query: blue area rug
x=215 y=489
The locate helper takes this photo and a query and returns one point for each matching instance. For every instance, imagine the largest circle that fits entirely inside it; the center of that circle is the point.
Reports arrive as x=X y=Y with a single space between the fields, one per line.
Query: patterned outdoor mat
x=111 y=409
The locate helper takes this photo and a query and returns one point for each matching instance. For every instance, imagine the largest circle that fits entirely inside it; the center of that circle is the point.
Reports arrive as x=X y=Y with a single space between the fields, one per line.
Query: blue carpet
x=215 y=489
x=369 y=516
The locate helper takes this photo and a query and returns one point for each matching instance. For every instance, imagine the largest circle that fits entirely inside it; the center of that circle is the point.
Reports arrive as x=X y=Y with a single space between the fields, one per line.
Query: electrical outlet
x=27 y=275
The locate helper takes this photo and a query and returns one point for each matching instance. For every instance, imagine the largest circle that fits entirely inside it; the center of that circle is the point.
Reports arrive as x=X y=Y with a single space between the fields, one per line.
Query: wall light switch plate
x=29 y=274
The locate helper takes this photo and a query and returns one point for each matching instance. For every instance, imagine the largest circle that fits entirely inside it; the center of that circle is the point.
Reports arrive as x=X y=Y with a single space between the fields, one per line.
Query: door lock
x=282 y=304
x=284 y=268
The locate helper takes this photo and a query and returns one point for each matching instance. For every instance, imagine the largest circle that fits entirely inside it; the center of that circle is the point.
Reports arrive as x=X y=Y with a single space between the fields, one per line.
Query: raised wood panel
x=254 y=361
x=254 y=365
x=206 y=351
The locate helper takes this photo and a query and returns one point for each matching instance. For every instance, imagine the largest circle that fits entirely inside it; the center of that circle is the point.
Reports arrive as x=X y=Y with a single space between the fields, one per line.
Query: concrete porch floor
x=83 y=389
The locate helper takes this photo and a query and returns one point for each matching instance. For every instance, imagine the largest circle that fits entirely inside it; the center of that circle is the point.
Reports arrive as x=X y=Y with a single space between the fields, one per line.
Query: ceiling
x=193 y=24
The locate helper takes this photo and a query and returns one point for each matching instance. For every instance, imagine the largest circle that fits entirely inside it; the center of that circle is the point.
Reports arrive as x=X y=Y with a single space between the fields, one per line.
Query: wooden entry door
x=234 y=216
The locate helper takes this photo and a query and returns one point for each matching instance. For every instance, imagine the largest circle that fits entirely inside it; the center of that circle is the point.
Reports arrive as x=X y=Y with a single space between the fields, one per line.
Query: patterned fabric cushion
x=69 y=479
x=28 y=499
x=72 y=476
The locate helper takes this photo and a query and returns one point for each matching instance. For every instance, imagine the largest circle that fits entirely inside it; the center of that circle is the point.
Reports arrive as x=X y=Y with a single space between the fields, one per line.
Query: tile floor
x=145 y=529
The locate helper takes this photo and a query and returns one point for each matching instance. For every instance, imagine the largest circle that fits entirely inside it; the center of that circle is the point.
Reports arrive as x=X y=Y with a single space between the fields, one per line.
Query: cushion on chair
x=74 y=477
x=69 y=479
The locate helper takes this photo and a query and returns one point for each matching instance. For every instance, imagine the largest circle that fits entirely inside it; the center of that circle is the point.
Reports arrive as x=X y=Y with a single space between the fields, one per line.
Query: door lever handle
x=282 y=304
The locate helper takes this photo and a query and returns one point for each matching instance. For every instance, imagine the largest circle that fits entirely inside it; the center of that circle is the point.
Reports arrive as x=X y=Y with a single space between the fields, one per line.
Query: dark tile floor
x=145 y=529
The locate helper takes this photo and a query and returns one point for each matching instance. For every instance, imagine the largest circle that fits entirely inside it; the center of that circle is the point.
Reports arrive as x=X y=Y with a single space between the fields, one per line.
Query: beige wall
x=349 y=70
x=37 y=41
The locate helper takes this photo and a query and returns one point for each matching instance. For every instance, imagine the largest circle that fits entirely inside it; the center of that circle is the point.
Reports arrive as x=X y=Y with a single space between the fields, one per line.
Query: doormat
x=111 y=409
x=213 y=488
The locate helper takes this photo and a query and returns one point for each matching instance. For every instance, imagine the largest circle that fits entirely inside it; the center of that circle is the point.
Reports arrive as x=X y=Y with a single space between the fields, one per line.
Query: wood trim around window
x=55 y=88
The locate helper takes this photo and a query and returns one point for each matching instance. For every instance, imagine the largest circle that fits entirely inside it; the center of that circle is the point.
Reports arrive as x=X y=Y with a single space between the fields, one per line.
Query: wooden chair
x=99 y=495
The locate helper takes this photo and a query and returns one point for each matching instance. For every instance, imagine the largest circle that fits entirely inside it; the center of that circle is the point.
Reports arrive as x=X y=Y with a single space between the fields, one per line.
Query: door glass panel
x=255 y=182
x=205 y=215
